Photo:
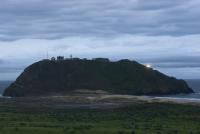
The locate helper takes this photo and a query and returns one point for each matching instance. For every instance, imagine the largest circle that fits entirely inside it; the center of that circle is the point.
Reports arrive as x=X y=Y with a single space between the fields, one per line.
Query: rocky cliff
x=122 y=77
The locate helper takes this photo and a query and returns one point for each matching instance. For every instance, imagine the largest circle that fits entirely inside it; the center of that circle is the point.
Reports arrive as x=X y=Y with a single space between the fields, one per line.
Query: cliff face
x=123 y=77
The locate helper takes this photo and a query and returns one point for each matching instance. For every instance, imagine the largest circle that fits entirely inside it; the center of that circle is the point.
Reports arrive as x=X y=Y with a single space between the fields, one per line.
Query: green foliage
x=135 y=119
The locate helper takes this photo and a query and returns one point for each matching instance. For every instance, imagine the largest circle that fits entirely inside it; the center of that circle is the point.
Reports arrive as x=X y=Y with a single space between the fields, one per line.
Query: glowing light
x=148 y=65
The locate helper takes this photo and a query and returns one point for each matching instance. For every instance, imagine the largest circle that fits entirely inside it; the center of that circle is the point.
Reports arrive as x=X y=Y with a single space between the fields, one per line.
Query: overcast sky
x=163 y=33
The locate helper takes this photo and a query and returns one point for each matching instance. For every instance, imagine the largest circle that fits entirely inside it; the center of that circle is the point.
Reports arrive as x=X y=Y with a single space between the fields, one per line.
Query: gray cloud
x=10 y=69
x=175 y=59
x=177 y=65
x=164 y=33
x=50 y=19
x=174 y=62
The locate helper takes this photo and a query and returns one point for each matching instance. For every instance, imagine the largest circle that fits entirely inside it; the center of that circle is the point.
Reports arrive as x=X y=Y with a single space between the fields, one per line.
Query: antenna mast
x=47 y=54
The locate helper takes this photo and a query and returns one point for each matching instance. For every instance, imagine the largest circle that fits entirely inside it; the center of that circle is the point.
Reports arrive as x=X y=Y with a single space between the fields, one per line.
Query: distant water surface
x=195 y=85
x=4 y=85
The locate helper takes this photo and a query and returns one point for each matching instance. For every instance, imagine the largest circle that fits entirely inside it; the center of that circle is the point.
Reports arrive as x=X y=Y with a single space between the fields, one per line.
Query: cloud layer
x=49 y=19
x=164 y=33
x=164 y=53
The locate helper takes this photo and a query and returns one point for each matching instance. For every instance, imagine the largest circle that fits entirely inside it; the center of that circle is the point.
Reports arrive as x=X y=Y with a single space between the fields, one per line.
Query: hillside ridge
x=61 y=77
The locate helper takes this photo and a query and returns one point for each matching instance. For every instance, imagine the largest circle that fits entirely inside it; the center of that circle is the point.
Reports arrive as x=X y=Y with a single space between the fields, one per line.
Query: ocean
x=4 y=85
x=194 y=84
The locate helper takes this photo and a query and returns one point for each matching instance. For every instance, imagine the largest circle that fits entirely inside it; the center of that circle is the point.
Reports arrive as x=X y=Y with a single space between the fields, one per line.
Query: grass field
x=134 y=119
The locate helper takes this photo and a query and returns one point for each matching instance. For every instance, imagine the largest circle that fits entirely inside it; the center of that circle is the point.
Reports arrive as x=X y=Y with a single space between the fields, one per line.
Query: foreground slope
x=57 y=115
x=65 y=76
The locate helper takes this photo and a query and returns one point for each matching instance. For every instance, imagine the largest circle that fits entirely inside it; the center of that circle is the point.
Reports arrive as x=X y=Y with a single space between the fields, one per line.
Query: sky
x=163 y=33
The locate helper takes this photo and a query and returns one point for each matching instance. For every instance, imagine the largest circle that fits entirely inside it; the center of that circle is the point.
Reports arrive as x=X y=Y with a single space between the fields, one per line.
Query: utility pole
x=47 y=54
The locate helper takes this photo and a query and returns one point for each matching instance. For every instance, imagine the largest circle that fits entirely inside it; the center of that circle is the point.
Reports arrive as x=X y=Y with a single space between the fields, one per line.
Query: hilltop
x=61 y=77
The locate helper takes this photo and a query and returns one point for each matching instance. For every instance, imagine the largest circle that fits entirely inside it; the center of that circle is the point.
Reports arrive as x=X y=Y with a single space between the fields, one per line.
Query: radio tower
x=47 y=54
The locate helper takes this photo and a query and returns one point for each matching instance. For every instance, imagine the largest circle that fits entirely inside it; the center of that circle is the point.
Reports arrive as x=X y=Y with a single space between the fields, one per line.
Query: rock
x=62 y=77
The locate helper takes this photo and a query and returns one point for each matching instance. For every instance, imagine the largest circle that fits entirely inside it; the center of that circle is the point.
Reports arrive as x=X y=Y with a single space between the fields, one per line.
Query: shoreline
x=92 y=101
x=155 y=99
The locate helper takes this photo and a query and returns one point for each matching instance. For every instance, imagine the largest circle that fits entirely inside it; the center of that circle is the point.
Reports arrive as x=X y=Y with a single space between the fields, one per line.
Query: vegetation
x=123 y=77
x=134 y=119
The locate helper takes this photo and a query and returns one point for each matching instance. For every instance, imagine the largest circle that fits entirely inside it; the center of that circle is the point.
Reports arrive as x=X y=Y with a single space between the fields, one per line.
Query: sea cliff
x=61 y=77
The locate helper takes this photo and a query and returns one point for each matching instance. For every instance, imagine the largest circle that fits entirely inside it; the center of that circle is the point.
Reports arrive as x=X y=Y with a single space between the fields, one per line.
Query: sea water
x=4 y=85
x=195 y=85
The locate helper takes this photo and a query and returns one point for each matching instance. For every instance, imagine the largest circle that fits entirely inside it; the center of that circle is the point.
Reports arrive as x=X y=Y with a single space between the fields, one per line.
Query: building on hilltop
x=101 y=59
x=53 y=58
x=60 y=58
